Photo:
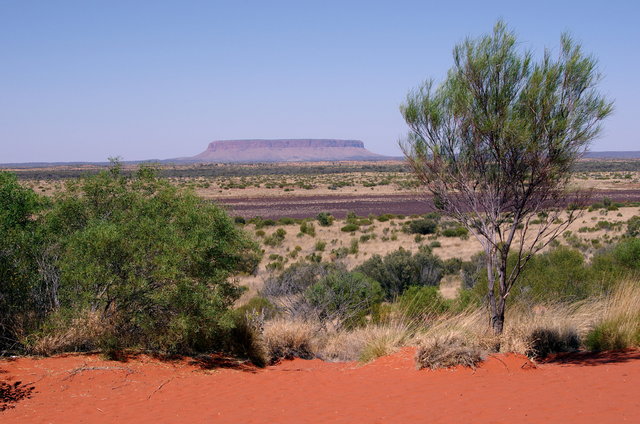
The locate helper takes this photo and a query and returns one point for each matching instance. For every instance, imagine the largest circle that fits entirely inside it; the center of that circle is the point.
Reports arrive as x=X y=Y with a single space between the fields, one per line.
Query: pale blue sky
x=84 y=80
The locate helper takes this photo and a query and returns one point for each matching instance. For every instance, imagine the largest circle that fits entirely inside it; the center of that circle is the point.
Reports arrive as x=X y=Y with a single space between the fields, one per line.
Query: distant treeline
x=246 y=170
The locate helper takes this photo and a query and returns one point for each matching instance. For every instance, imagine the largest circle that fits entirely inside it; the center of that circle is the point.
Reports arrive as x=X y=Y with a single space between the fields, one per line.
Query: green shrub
x=400 y=269
x=422 y=226
x=344 y=296
x=420 y=302
x=276 y=238
x=455 y=232
x=151 y=259
x=633 y=226
x=308 y=228
x=320 y=245
x=324 y=219
x=350 y=228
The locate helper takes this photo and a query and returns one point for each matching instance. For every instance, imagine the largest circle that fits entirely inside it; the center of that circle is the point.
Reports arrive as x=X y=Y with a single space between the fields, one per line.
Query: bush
x=320 y=245
x=422 y=226
x=633 y=226
x=455 y=232
x=545 y=341
x=308 y=229
x=324 y=219
x=421 y=302
x=151 y=258
x=295 y=279
x=350 y=228
x=400 y=269
x=276 y=239
x=345 y=297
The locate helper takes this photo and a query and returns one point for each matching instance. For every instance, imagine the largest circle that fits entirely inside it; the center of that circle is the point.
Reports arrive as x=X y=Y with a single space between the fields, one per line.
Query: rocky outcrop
x=293 y=150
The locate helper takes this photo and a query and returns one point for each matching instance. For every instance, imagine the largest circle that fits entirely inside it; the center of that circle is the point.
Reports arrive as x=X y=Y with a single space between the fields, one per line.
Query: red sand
x=505 y=389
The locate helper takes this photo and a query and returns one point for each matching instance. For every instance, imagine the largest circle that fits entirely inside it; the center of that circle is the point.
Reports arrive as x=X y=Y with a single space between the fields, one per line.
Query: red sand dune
x=505 y=389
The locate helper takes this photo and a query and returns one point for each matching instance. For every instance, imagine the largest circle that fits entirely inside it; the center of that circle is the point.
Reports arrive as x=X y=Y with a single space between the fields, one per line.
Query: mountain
x=292 y=150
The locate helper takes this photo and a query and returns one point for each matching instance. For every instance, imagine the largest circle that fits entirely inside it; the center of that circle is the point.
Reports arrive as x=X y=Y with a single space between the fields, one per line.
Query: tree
x=495 y=143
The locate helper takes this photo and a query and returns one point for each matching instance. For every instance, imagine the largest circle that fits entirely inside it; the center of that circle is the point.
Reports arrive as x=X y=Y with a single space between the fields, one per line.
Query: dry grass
x=444 y=351
x=83 y=333
x=287 y=339
x=366 y=344
x=619 y=325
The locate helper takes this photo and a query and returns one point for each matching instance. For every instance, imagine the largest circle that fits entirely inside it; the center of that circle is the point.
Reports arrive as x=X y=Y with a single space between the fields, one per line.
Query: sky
x=86 y=80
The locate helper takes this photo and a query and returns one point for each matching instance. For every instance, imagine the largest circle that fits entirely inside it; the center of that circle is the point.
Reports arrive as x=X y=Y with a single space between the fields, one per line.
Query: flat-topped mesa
x=282 y=144
x=285 y=150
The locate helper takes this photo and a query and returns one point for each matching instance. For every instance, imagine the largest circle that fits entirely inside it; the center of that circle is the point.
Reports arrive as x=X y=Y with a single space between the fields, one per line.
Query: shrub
x=286 y=221
x=633 y=226
x=324 y=219
x=276 y=238
x=295 y=279
x=421 y=302
x=345 y=297
x=455 y=232
x=147 y=256
x=400 y=269
x=545 y=341
x=422 y=226
x=349 y=228
x=308 y=228
x=320 y=245
x=448 y=351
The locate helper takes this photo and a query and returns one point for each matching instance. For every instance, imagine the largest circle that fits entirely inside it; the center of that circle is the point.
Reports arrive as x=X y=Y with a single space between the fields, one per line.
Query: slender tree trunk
x=497 y=314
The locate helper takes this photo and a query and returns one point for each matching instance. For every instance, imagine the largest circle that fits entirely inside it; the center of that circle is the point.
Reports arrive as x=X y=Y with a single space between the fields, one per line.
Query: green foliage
x=422 y=226
x=148 y=259
x=324 y=219
x=346 y=296
x=420 y=302
x=20 y=291
x=457 y=231
x=349 y=228
x=276 y=238
x=308 y=228
x=400 y=269
x=633 y=226
x=320 y=246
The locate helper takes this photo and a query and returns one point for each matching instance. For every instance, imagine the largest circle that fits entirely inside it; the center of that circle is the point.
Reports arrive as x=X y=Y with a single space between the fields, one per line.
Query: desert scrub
x=350 y=228
x=619 y=327
x=320 y=245
x=288 y=339
x=276 y=238
x=448 y=351
x=400 y=269
x=308 y=228
x=324 y=219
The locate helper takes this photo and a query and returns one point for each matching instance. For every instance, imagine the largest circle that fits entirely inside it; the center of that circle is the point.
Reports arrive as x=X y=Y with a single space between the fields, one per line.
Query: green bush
x=347 y=297
x=400 y=269
x=420 y=302
x=455 y=232
x=422 y=226
x=308 y=228
x=633 y=226
x=276 y=238
x=324 y=219
x=149 y=257
x=349 y=228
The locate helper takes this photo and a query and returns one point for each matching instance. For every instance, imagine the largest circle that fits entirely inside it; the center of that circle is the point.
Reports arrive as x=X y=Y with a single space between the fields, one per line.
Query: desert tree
x=495 y=143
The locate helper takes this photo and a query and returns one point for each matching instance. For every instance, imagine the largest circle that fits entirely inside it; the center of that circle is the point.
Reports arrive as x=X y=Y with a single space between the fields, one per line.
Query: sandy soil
x=505 y=389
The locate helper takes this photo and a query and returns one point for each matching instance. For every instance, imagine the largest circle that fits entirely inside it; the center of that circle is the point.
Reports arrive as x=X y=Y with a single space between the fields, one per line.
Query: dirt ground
x=578 y=388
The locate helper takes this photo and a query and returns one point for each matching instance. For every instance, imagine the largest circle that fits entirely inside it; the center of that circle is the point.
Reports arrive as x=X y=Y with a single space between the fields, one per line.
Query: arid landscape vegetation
x=492 y=274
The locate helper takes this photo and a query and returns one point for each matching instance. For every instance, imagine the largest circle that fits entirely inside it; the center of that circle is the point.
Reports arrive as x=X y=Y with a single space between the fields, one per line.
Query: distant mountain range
x=287 y=150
